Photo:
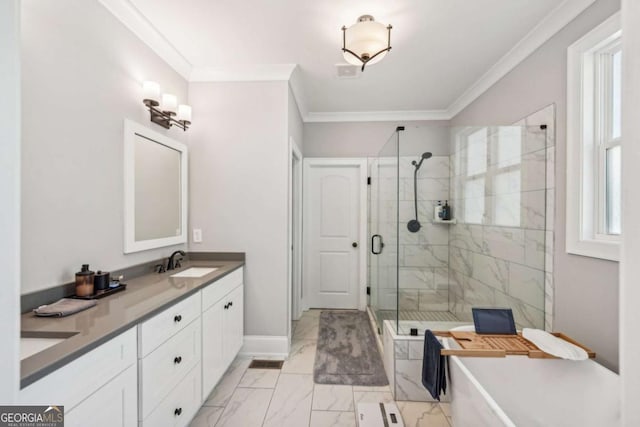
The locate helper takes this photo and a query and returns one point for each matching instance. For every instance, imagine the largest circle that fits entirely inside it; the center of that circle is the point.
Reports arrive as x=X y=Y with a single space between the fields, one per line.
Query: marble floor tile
x=228 y=383
x=311 y=313
x=446 y=408
x=291 y=402
x=332 y=419
x=372 y=397
x=422 y=414
x=332 y=398
x=259 y=378
x=301 y=357
x=247 y=408
x=381 y=388
x=306 y=329
x=207 y=416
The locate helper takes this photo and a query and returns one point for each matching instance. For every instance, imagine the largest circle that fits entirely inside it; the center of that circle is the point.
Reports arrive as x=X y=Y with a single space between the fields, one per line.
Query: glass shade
x=184 y=113
x=365 y=39
x=169 y=103
x=151 y=91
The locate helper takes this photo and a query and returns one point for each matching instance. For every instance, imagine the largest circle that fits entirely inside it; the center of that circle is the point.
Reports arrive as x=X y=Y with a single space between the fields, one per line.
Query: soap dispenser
x=84 y=281
x=437 y=211
x=446 y=211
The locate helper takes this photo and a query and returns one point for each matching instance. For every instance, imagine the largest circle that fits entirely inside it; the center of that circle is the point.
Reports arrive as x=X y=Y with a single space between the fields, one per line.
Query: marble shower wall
x=502 y=191
x=424 y=255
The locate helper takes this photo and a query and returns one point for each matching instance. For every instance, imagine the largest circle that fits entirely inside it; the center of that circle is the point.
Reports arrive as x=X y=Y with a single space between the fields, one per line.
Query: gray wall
x=586 y=289
x=81 y=75
x=366 y=139
x=10 y=196
x=238 y=188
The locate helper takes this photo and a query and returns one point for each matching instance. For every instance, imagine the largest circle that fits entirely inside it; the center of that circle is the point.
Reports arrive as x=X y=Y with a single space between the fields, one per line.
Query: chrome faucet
x=174 y=263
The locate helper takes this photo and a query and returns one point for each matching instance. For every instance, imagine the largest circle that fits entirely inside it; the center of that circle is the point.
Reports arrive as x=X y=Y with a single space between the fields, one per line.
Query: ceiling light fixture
x=164 y=116
x=366 y=41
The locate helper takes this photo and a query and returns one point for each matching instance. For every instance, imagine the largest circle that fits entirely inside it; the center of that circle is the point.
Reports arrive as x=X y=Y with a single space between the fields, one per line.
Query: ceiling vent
x=347 y=71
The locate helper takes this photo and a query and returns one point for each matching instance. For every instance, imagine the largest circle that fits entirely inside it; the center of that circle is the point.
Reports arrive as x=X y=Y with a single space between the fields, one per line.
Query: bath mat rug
x=347 y=352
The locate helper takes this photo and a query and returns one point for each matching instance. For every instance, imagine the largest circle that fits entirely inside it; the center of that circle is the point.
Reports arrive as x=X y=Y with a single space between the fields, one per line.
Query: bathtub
x=519 y=391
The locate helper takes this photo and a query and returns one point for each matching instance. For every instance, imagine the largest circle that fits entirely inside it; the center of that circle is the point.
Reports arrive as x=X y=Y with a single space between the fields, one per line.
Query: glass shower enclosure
x=492 y=250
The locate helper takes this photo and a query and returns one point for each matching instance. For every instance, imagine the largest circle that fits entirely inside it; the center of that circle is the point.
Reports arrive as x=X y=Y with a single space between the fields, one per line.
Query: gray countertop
x=144 y=297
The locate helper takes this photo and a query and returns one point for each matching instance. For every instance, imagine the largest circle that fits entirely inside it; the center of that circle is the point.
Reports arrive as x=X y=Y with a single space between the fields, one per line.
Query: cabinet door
x=213 y=360
x=165 y=367
x=112 y=405
x=179 y=407
x=234 y=324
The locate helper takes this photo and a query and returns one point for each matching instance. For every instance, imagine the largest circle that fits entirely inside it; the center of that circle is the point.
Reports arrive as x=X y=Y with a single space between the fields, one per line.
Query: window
x=491 y=181
x=594 y=142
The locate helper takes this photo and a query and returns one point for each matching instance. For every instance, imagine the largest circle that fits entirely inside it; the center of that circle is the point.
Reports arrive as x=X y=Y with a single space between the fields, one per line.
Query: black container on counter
x=101 y=281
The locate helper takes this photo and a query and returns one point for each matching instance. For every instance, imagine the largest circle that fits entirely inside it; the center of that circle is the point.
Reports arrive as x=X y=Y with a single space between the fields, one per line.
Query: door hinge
x=368 y=180
x=368 y=290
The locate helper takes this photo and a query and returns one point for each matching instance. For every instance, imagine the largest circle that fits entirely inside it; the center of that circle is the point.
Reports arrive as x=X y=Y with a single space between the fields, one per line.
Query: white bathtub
x=518 y=391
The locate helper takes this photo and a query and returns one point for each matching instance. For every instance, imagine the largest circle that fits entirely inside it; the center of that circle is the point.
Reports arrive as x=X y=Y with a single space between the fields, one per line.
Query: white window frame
x=586 y=168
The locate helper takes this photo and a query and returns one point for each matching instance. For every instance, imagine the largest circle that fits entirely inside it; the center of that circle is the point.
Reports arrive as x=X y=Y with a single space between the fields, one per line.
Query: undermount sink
x=195 y=272
x=35 y=342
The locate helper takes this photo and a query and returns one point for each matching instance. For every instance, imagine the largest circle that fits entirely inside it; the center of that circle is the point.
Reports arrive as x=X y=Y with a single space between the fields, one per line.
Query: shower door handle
x=373 y=251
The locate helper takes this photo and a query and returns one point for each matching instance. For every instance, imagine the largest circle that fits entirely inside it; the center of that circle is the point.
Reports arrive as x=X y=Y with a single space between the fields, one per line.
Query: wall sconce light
x=164 y=115
x=366 y=41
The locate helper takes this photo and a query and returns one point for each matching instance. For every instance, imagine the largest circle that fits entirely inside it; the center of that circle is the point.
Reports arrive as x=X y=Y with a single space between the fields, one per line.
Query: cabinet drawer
x=164 y=325
x=218 y=289
x=114 y=405
x=72 y=383
x=179 y=407
x=167 y=365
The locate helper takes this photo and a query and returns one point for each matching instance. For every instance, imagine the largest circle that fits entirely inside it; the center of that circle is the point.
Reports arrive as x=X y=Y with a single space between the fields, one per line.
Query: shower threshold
x=421 y=320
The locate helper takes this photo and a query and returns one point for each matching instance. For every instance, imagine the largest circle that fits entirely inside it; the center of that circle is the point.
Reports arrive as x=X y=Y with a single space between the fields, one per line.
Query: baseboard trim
x=265 y=346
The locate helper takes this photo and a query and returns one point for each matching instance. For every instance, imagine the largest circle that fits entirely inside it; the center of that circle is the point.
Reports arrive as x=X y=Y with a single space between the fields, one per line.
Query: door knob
x=354 y=244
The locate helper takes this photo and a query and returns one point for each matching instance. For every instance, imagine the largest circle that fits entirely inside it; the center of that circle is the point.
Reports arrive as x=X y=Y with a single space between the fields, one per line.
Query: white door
x=334 y=228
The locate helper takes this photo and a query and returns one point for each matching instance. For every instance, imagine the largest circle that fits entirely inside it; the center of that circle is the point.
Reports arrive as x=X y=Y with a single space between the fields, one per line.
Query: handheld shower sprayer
x=414 y=225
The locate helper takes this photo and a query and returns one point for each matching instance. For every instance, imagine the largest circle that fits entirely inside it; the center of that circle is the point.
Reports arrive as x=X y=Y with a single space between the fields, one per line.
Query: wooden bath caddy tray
x=476 y=345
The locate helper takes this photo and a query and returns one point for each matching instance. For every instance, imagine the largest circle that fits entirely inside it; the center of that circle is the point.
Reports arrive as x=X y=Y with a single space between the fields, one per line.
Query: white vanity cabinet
x=222 y=327
x=169 y=354
x=100 y=386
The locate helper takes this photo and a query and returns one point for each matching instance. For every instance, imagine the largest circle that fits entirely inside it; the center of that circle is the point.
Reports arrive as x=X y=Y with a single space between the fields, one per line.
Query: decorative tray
x=103 y=293
x=482 y=345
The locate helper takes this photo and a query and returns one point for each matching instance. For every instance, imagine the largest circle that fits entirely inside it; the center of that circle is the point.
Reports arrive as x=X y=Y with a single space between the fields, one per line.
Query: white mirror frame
x=131 y=129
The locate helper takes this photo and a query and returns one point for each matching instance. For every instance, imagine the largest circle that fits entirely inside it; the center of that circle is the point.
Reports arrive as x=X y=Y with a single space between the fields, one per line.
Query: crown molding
x=375 y=116
x=243 y=73
x=136 y=22
x=540 y=34
x=139 y=25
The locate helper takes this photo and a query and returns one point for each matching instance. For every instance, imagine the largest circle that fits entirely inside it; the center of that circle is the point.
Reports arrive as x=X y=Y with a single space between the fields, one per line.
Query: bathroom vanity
x=148 y=356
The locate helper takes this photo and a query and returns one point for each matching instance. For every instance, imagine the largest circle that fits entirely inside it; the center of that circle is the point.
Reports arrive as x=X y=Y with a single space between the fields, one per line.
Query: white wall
x=586 y=289
x=238 y=188
x=366 y=139
x=629 y=266
x=10 y=196
x=82 y=72
x=296 y=125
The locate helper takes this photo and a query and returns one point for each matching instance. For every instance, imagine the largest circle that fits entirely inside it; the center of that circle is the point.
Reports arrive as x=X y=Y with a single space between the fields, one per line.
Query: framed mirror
x=155 y=189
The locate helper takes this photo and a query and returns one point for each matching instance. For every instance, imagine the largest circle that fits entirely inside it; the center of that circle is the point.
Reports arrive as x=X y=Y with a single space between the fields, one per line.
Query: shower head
x=424 y=156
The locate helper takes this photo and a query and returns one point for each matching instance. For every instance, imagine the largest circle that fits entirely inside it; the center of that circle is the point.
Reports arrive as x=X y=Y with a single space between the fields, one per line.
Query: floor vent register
x=266 y=364
x=379 y=415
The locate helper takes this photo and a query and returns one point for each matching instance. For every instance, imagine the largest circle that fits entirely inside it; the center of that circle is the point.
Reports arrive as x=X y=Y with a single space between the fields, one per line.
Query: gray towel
x=64 y=307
